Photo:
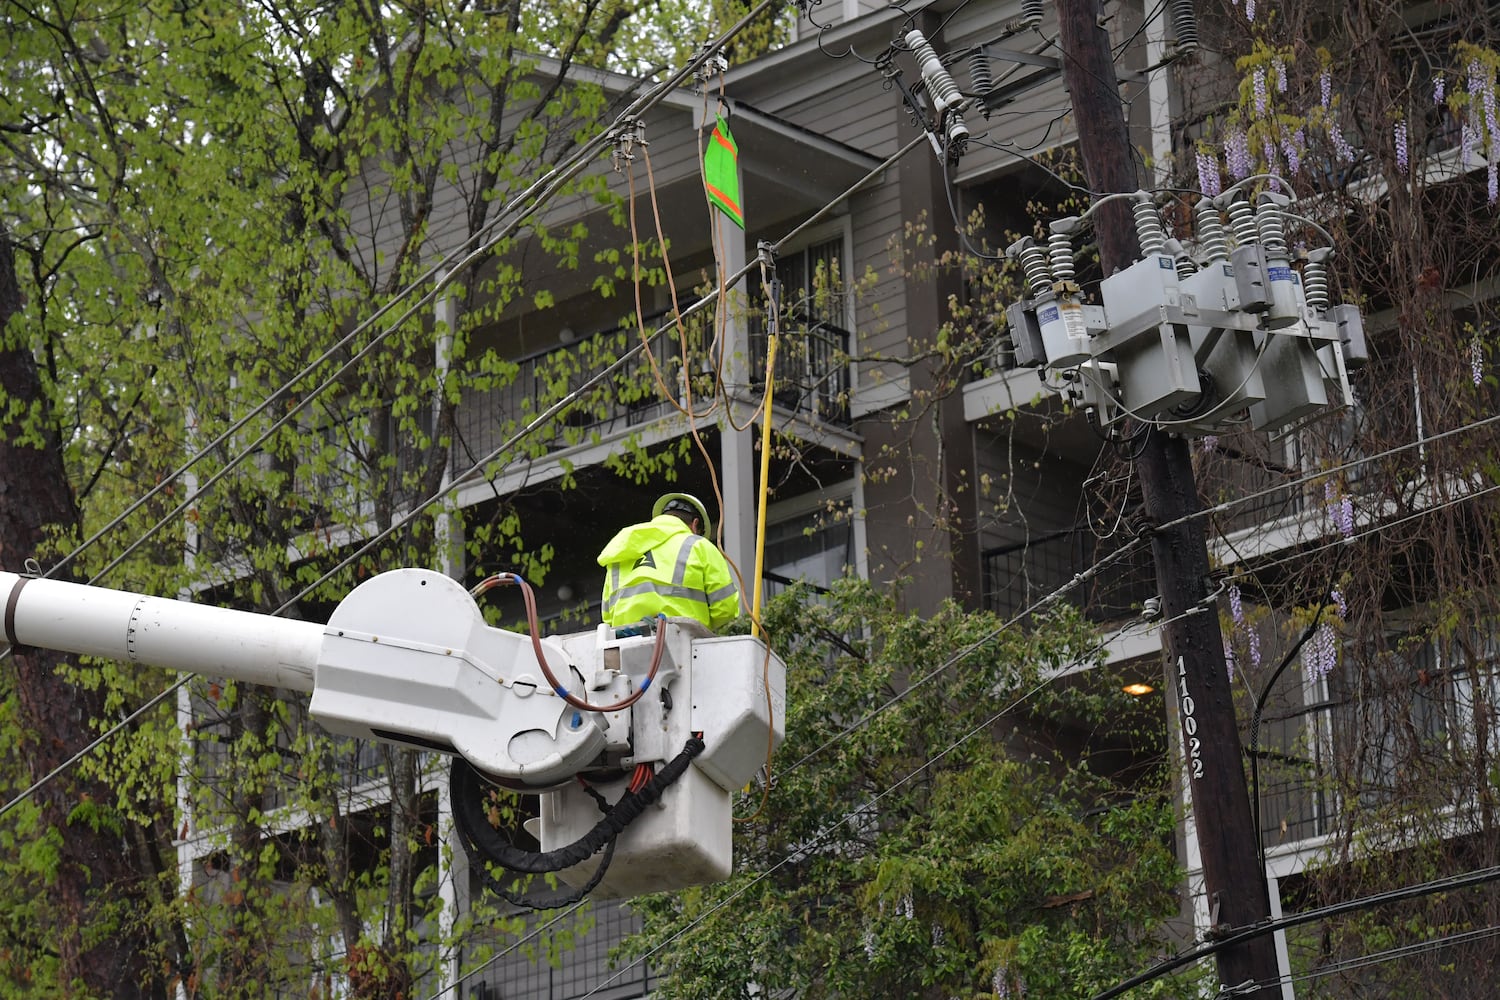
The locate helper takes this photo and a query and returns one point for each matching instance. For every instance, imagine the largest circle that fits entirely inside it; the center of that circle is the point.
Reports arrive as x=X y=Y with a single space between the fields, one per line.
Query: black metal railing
x=812 y=369
x=1019 y=575
x=582 y=970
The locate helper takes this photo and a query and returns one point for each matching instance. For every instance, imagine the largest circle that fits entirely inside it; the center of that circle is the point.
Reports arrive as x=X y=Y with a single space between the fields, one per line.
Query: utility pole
x=1233 y=876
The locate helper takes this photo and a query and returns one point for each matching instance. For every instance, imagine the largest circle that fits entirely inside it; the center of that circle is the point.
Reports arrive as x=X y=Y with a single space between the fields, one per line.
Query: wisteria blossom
x=1339 y=602
x=1293 y=154
x=1325 y=86
x=1237 y=155
x=1209 y=442
x=1439 y=89
x=1340 y=507
x=1250 y=10
x=1236 y=608
x=1398 y=136
x=1340 y=144
x=1476 y=359
x=1229 y=659
x=1208 y=173
x=1279 y=65
x=1322 y=652
x=1261 y=98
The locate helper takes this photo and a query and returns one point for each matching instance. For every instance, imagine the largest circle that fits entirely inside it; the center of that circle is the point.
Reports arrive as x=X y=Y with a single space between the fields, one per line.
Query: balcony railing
x=584 y=970
x=812 y=370
x=1018 y=576
x=812 y=378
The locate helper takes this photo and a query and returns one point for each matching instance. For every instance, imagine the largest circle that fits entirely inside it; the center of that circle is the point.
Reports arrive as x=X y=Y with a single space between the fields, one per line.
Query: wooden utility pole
x=1232 y=872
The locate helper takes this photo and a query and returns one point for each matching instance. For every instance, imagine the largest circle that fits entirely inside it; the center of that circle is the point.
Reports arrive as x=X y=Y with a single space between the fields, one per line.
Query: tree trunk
x=98 y=884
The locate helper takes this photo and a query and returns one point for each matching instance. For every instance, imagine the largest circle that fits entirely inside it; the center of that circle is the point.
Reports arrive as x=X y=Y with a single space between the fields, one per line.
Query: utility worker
x=667 y=566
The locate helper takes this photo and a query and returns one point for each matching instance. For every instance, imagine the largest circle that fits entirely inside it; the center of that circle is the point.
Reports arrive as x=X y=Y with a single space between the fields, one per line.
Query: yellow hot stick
x=765 y=479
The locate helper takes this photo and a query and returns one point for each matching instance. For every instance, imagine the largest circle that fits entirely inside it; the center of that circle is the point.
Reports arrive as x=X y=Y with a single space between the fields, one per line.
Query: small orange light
x=1137 y=689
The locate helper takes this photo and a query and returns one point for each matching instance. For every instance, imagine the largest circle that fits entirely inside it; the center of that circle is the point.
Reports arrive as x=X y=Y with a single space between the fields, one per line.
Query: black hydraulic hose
x=467 y=790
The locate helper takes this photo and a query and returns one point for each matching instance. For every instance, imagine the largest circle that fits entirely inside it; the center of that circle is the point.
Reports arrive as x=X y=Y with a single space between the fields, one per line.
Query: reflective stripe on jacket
x=661 y=567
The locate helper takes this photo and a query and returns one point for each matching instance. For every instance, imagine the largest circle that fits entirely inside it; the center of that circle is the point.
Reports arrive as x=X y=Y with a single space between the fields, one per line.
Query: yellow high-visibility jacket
x=661 y=567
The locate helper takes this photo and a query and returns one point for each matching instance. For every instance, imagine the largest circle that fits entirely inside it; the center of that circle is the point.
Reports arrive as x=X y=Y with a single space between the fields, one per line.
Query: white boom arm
x=407 y=658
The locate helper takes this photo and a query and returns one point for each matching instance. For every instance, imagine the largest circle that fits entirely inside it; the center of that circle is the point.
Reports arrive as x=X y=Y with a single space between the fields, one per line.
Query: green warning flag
x=721 y=172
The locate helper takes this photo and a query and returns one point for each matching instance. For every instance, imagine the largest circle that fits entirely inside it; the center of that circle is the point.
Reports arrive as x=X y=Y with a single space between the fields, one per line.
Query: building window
x=814 y=548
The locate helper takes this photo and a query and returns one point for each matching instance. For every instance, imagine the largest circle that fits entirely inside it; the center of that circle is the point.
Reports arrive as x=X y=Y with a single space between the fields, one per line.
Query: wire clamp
x=714 y=65
x=632 y=133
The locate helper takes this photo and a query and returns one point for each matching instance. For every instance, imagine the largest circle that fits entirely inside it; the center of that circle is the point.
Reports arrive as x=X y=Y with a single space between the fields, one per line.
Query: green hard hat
x=685 y=502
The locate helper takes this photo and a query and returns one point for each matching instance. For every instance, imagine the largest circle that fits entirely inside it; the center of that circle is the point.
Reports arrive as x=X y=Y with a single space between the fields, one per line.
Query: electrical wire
x=1203 y=950
x=540 y=420
x=956 y=657
x=826 y=833
x=442 y=274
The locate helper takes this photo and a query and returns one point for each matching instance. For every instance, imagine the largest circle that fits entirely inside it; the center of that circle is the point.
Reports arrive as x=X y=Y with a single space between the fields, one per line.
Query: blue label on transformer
x=1047 y=315
x=1279 y=273
x=1165 y=263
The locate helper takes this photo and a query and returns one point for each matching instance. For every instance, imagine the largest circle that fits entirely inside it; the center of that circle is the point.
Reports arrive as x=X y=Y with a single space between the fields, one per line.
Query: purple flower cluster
x=1237 y=155
x=1229 y=659
x=1292 y=149
x=1339 y=602
x=1398 y=135
x=1236 y=608
x=1261 y=97
x=1325 y=86
x=1209 y=442
x=1439 y=89
x=1340 y=507
x=1340 y=144
x=1208 y=173
x=1476 y=359
x=1344 y=516
x=1279 y=65
x=1322 y=652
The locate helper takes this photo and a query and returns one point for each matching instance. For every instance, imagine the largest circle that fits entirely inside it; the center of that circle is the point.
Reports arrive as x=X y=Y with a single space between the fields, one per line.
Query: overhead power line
x=529 y=201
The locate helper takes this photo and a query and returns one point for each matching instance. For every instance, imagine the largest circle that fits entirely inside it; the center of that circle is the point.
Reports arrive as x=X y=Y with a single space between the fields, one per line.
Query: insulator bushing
x=1315 y=284
x=1272 y=233
x=1060 y=256
x=1148 y=229
x=945 y=93
x=956 y=135
x=981 y=74
x=1184 y=25
x=1031 y=13
x=1212 y=238
x=1034 y=263
x=1242 y=221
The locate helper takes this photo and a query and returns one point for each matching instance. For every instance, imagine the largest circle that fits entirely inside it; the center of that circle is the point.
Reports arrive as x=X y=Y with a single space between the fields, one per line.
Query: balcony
x=812 y=370
x=1017 y=576
x=584 y=970
x=812 y=381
